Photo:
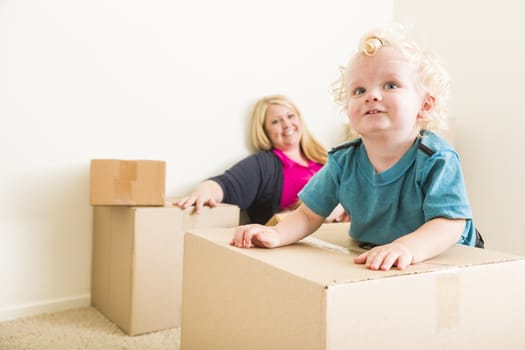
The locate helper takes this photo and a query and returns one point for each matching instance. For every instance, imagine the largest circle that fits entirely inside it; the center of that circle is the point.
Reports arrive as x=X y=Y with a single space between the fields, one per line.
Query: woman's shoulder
x=260 y=155
x=263 y=159
x=264 y=155
x=255 y=163
x=257 y=159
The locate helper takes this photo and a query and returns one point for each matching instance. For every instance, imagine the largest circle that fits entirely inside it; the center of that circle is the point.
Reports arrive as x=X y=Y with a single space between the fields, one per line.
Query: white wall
x=482 y=45
x=160 y=79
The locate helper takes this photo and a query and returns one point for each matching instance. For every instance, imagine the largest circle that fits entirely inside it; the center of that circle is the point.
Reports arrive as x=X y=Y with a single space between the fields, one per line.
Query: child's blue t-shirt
x=426 y=183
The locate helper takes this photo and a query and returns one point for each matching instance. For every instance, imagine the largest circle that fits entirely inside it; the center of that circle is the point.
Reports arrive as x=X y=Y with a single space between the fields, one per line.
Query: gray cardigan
x=255 y=185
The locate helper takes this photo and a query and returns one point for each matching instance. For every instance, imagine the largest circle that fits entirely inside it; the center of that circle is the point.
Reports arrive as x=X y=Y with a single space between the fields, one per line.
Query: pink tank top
x=295 y=176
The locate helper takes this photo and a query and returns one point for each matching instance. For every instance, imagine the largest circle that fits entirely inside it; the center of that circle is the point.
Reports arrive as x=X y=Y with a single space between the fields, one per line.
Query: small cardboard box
x=137 y=262
x=311 y=296
x=127 y=182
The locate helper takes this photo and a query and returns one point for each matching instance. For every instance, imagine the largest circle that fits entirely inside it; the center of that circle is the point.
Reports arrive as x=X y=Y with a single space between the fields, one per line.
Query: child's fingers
x=238 y=236
x=266 y=239
x=375 y=259
x=259 y=240
x=403 y=261
x=361 y=259
x=242 y=238
x=247 y=237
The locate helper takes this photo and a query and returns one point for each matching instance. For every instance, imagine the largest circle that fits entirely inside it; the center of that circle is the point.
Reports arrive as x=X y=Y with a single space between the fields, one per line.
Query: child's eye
x=275 y=121
x=390 y=86
x=291 y=116
x=359 y=91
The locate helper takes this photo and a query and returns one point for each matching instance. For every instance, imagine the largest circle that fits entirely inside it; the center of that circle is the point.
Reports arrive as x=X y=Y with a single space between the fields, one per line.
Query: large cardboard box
x=137 y=262
x=127 y=182
x=310 y=295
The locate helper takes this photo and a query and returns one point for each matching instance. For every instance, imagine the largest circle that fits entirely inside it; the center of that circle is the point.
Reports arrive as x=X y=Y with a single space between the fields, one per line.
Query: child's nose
x=373 y=96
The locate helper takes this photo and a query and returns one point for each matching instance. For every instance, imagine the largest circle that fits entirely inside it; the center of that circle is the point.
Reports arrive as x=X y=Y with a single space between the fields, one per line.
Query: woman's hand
x=208 y=193
x=255 y=235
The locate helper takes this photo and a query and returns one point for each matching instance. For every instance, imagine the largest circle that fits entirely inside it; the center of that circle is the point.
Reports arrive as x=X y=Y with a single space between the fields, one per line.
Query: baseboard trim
x=43 y=307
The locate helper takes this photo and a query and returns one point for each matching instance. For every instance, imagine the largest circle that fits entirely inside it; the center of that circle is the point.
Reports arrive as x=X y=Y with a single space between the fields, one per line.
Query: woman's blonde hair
x=432 y=76
x=312 y=149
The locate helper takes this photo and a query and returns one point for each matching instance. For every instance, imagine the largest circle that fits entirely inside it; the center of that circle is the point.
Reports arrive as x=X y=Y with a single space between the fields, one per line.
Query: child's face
x=282 y=126
x=384 y=97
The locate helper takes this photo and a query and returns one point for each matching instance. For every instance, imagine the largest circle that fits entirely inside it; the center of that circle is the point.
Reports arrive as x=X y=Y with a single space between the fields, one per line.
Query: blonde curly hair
x=432 y=76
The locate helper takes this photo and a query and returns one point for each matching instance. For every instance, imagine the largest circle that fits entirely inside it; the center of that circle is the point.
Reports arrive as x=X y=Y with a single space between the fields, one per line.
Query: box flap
x=459 y=255
x=331 y=249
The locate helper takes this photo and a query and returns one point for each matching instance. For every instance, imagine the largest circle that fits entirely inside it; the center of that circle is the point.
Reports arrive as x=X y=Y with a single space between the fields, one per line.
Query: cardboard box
x=127 y=182
x=310 y=295
x=274 y=220
x=137 y=262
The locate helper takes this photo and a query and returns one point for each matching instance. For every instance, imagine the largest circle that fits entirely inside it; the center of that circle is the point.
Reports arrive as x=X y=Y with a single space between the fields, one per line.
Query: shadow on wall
x=52 y=221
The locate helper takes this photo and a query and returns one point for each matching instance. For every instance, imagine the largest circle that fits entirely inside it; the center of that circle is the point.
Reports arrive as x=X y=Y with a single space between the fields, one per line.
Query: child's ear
x=428 y=104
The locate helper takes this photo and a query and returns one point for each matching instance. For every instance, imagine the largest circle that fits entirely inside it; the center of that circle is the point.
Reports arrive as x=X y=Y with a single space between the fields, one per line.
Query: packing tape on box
x=123 y=190
x=319 y=243
x=128 y=170
x=447 y=300
x=123 y=183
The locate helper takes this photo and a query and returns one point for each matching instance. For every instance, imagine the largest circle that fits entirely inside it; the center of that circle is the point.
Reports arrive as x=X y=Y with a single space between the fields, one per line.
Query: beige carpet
x=83 y=328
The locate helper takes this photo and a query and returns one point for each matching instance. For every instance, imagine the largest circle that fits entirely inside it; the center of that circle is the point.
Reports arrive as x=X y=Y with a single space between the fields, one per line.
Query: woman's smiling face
x=283 y=127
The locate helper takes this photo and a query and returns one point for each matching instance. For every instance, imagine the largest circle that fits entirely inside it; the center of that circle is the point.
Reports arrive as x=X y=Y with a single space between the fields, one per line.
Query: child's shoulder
x=345 y=146
x=430 y=143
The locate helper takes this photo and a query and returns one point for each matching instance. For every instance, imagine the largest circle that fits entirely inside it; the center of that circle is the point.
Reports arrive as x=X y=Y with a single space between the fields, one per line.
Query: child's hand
x=385 y=256
x=248 y=236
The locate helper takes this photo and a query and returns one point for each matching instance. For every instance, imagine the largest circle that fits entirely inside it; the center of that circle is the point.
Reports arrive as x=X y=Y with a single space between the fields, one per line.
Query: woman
x=268 y=181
